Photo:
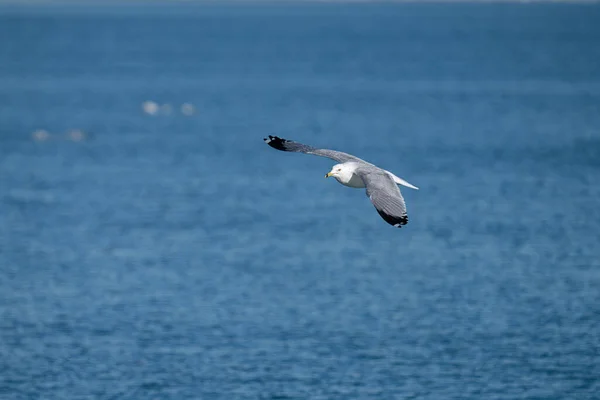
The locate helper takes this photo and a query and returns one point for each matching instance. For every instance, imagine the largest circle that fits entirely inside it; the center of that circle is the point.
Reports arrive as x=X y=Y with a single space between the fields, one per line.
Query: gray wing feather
x=289 y=145
x=385 y=195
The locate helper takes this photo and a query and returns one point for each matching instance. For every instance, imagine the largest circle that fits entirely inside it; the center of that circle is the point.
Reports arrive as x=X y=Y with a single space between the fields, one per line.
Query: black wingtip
x=275 y=142
x=393 y=220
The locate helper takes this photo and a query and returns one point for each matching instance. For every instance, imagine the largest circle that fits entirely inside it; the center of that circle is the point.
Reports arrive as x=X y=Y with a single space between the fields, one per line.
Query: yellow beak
x=328 y=175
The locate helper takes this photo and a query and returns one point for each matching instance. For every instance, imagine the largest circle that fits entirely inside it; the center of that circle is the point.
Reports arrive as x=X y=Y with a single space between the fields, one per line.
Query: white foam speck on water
x=188 y=109
x=150 y=107
x=40 y=135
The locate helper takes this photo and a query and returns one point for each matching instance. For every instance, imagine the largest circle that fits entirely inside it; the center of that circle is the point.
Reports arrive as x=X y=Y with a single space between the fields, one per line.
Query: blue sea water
x=174 y=256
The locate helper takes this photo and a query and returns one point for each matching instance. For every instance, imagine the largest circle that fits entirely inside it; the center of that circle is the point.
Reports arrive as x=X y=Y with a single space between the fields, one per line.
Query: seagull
x=381 y=185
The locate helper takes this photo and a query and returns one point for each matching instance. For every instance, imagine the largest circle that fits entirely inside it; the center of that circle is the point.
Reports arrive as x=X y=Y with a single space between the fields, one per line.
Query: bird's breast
x=354 y=182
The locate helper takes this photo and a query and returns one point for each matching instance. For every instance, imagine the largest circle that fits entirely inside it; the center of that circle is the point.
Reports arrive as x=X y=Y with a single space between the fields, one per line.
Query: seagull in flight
x=381 y=185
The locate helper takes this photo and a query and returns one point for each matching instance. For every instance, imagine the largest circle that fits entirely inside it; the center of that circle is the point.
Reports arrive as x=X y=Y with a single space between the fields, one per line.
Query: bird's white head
x=341 y=172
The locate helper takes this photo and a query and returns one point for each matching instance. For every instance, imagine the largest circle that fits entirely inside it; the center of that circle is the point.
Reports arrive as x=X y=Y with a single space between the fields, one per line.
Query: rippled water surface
x=176 y=256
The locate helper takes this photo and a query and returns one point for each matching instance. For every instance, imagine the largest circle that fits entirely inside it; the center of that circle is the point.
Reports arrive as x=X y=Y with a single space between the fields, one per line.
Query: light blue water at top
x=176 y=257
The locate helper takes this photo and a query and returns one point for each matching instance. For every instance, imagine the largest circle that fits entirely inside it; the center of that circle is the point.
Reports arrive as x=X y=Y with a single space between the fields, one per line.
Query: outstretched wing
x=289 y=145
x=385 y=196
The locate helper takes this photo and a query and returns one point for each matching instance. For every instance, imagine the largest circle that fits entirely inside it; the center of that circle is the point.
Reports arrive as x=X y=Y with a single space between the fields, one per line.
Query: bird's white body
x=344 y=174
x=354 y=182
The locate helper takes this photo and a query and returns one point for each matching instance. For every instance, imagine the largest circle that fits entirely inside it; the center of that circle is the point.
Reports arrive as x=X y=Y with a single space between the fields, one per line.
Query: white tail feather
x=401 y=181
